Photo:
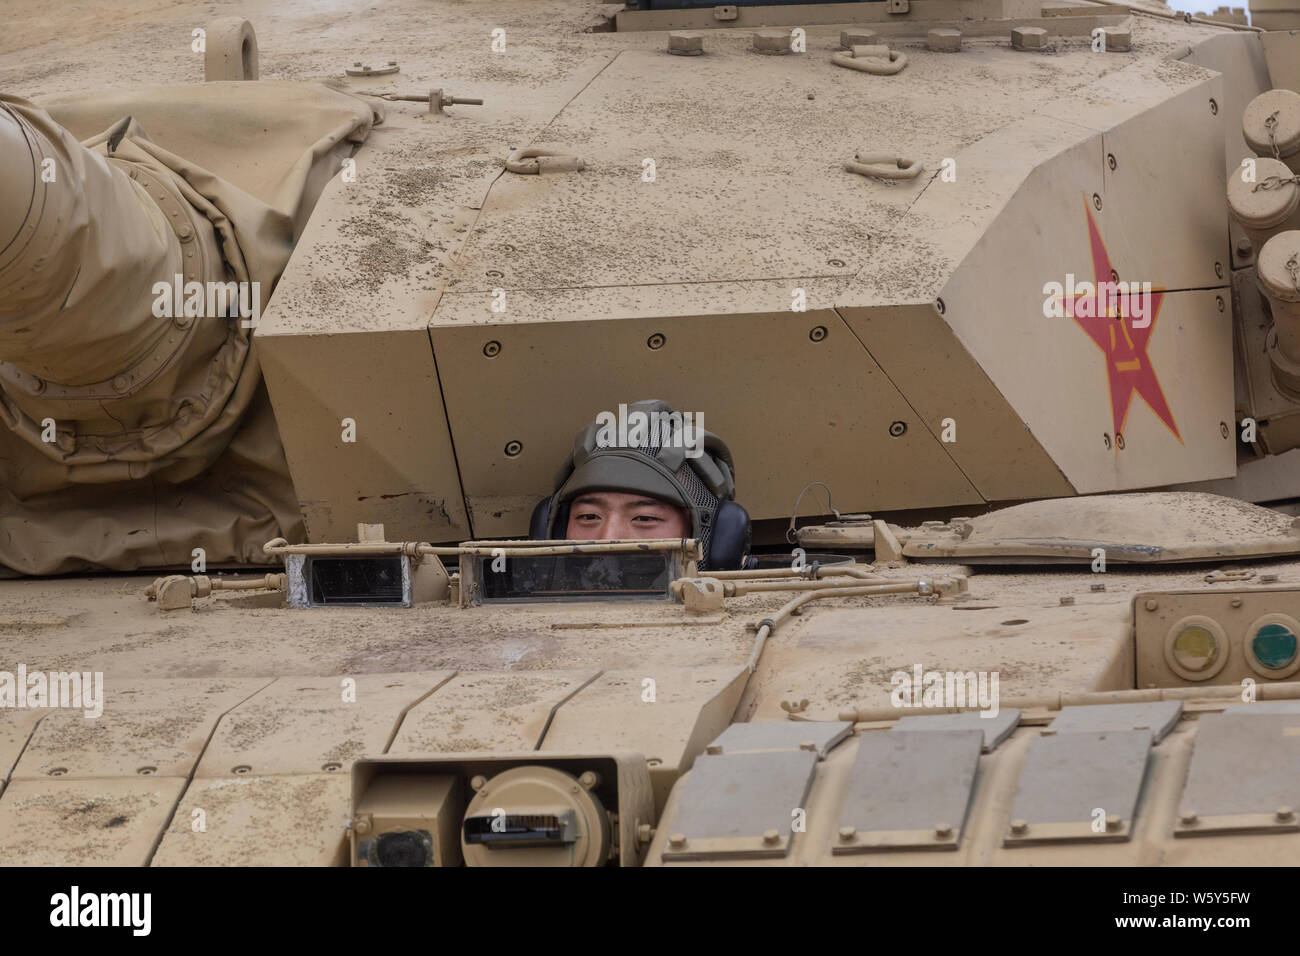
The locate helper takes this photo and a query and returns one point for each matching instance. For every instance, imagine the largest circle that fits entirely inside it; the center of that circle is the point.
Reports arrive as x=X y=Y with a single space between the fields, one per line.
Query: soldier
x=648 y=472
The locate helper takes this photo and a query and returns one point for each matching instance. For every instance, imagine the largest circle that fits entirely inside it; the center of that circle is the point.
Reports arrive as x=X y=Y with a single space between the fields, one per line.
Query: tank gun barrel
x=81 y=246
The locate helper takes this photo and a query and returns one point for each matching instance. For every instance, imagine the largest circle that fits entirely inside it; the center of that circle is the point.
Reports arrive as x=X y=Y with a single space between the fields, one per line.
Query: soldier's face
x=617 y=514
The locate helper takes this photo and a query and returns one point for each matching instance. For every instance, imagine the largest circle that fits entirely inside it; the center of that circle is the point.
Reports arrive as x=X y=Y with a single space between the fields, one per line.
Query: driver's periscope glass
x=578 y=577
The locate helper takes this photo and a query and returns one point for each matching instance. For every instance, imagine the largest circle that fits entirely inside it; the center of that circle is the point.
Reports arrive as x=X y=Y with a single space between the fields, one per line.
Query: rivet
x=492 y=349
x=943 y=830
x=1218 y=300
x=1244 y=248
x=1096 y=200
x=771 y=837
x=588 y=779
x=1019 y=827
x=1152 y=604
x=1096 y=587
x=120 y=383
x=656 y=341
x=1235 y=602
x=1110 y=161
x=1218 y=269
x=146 y=771
x=477 y=782
x=514 y=449
x=1189 y=819
x=807 y=745
x=1285 y=814
x=677 y=841
x=1047 y=732
x=818 y=333
x=713 y=749
x=848 y=834
x=1114 y=822
x=362 y=825
x=242 y=768
x=1067 y=600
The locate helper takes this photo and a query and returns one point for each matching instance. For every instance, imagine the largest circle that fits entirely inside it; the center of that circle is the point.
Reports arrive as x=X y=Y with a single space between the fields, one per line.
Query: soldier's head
x=647 y=471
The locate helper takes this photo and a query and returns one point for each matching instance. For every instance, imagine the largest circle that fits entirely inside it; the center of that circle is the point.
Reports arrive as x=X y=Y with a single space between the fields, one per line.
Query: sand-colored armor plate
x=304 y=725
x=487 y=711
x=276 y=820
x=89 y=822
x=1146 y=527
x=148 y=728
x=690 y=707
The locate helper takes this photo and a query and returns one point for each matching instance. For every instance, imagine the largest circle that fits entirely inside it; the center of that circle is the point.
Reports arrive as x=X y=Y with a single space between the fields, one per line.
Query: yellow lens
x=1195 y=648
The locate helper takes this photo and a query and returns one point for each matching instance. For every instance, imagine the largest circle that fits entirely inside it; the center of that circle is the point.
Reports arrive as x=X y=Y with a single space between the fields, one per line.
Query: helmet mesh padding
x=705 y=500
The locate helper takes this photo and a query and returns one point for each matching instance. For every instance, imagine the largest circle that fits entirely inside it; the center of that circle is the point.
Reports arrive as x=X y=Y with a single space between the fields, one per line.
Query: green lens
x=1274 y=646
x=1195 y=648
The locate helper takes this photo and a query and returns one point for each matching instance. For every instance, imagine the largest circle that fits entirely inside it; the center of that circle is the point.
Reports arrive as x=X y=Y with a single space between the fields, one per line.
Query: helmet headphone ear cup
x=729 y=543
x=540 y=523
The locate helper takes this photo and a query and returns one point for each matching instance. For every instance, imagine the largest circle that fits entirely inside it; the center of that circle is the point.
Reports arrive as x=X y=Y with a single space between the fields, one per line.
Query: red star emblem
x=1110 y=325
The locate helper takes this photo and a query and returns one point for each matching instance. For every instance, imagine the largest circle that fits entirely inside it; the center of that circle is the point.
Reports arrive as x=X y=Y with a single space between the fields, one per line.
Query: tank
x=994 y=302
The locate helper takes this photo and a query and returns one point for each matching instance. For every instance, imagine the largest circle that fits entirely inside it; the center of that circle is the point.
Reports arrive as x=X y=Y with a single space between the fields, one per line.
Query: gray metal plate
x=1079 y=786
x=782 y=735
x=1245 y=775
x=1157 y=716
x=995 y=729
x=740 y=805
x=909 y=790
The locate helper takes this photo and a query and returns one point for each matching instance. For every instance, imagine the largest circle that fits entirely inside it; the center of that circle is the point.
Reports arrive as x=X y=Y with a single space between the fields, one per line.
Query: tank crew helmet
x=673 y=460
